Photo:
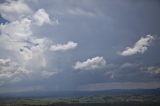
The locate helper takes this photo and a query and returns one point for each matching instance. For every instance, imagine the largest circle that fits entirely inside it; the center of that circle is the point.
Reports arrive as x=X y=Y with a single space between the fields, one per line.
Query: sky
x=79 y=45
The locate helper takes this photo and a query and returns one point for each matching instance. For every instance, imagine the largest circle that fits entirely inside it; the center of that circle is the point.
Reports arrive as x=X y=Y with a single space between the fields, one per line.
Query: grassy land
x=145 y=100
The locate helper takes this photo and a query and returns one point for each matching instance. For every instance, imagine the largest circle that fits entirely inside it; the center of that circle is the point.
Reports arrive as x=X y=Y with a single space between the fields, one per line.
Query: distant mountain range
x=82 y=93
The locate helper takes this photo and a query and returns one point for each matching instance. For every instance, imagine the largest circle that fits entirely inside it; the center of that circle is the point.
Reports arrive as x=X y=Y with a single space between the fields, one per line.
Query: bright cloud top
x=90 y=64
x=139 y=47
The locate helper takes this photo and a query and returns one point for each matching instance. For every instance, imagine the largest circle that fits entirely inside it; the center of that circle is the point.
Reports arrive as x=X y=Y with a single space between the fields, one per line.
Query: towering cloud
x=17 y=37
x=90 y=64
x=139 y=47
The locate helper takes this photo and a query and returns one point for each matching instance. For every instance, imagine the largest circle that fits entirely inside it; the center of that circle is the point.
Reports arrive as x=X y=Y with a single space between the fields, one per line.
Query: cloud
x=14 y=37
x=79 y=12
x=63 y=47
x=139 y=47
x=114 y=71
x=13 y=10
x=90 y=64
x=127 y=65
x=47 y=74
x=153 y=70
x=18 y=39
x=17 y=30
x=41 y=17
x=10 y=71
x=17 y=36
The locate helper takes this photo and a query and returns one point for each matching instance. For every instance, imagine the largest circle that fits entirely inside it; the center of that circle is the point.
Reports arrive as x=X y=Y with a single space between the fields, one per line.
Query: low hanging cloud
x=63 y=47
x=139 y=47
x=90 y=64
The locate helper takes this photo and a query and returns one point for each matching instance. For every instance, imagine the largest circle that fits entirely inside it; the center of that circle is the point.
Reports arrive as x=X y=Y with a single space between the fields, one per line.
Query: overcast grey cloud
x=73 y=44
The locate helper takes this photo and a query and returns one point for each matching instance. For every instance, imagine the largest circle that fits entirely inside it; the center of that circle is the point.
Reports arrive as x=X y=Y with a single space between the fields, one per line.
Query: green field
x=138 y=100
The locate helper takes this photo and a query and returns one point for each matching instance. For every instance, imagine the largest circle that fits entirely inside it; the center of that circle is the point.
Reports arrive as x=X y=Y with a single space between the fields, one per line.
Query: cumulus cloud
x=17 y=37
x=41 y=17
x=63 y=47
x=14 y=36
x=139 y=47
x=17 y=30
x=13 y=10
x=90 y=64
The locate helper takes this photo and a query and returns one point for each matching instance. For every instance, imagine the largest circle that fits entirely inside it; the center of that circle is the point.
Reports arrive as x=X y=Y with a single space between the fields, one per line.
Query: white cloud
x=139 y=47
x=90 y=64
x=64 y=47
x=17 y=30
x=41 y=17
x=14 y=36
x=18 y=36
x=28 y=50
x=13 y=10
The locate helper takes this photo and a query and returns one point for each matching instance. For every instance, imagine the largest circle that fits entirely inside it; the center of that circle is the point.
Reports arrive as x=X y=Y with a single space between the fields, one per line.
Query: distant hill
x=82 y=93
